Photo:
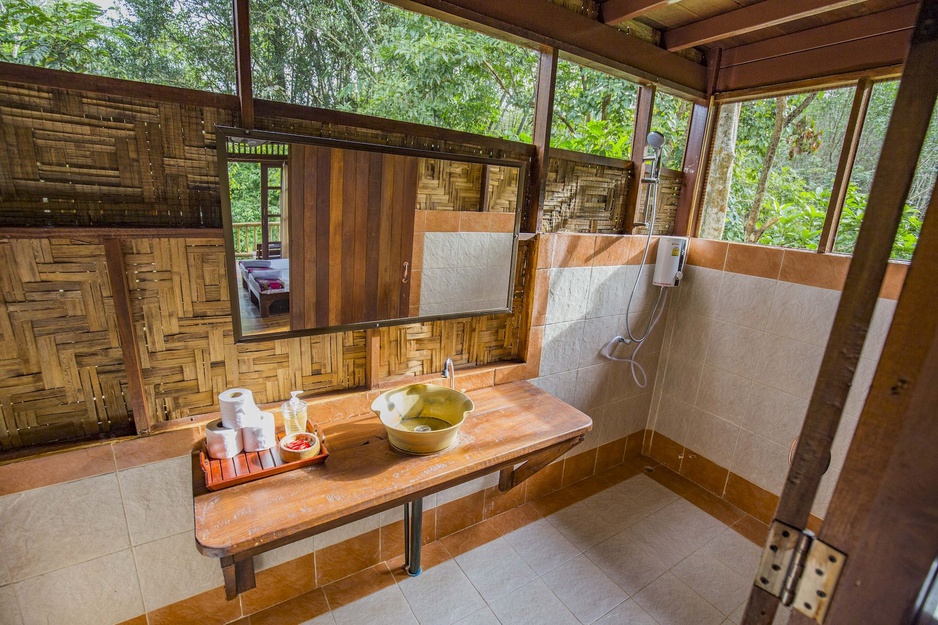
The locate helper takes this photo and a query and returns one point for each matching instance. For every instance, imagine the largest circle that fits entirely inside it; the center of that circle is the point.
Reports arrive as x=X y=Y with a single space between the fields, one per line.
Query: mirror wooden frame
x=224 y=134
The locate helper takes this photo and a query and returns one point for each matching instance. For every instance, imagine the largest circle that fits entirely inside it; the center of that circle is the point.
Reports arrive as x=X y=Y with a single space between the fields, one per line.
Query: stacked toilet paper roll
x=238 y=408
x=222 y=442
x=261 y=436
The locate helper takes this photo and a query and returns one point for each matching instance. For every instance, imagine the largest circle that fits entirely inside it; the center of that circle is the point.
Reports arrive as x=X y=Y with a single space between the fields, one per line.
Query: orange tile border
x=280 y=583
x=666 y=451
x=509 y=521
x=417 y=254
x=442 y=221
x=715 y=506
x=704 y=472
x=392 y=535
x=546 y=481
x=347 y=557
x=754 y=260
x=459 y=514
x=472 y=221
x=572 y=250
x=579 y=467
x=210 y=608
x=357 y=585
x=497 y=502
x=558 y=500
x=612 y=249
x=431 y=555
x=827 y=271
x=297 y=610
x=895 y=278
x=610 y=454
x=756 y=531
x=672 y=480
x=56 y=468
x=420 y=221
x=541 y=293
x=751 y=499
x=137 y=620
x=468 y=539
x=707 y=253
x=543 y=251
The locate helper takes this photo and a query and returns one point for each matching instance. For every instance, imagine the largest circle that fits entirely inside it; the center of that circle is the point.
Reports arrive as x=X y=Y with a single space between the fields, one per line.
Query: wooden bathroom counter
x=511 y=424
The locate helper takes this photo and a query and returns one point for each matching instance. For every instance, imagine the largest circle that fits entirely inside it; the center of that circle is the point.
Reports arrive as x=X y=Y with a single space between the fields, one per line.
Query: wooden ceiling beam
x=614 y=12
x=901 y=18
x=545 y=23
x=754 y=17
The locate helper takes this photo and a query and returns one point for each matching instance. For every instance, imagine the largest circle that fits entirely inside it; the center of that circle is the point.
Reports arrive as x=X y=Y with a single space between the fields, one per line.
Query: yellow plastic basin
x=422 y=418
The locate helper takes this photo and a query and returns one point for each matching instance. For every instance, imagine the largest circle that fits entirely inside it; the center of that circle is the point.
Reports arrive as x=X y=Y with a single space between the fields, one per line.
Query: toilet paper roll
x=238 y=409
x=262 y=436
x=222 y=442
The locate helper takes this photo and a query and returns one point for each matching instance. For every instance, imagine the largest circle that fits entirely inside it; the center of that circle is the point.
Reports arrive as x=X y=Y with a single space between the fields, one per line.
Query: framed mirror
x=327 y=235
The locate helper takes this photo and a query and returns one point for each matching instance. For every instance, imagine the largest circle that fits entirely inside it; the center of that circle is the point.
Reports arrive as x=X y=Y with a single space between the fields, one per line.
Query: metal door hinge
x=799 y=569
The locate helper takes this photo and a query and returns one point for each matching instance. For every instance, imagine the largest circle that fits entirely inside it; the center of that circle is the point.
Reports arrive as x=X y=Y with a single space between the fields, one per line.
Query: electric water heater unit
x=672 y=251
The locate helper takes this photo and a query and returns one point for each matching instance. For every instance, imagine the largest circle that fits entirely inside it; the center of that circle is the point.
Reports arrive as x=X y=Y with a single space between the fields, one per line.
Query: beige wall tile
x=345 y=532
x=626 y=417
x=700 y=291
x=682 y=378
x=560 y=385
x=158 y=499
x=673 y=415
x=171 y=569
x=9 y=610
x=761 y=461
x=774 y=414
x=745 y=300
x=561 y=350
x=692 y=335
x=723 y=394
x=609 y=290
x=596 y=333
x=591 y=385
x=286 y=553
x=568 y=293
x=825 y=492
x=862 y=379
x=788 y=365
x=879 y=327
x=96 y=592
x=803 y=313
x=711 y=437
x=734 y=348
x=56 y=526
x=464 y=490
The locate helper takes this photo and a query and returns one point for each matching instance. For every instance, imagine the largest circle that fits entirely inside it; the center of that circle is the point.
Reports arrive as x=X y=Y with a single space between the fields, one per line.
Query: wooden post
x=116 y=272
x=848 y=154
x=372 y=357
x=643 y=113
x=242 y=36
x=905 y=136
x=692 y=166
x=543 y=110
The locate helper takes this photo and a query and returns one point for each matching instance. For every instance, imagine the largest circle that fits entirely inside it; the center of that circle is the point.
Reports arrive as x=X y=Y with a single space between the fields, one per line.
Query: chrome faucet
x=449 y=372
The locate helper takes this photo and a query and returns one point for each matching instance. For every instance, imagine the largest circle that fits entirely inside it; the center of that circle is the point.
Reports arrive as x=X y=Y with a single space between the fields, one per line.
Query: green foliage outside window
x=671 y=117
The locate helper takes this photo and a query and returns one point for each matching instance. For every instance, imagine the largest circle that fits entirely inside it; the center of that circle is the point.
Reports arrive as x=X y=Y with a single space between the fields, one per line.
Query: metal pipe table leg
x=413 y=536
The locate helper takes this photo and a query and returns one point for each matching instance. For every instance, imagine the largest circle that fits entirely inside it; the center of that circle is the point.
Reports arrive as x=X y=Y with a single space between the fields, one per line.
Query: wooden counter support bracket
x=238 y=574
x=510 y=477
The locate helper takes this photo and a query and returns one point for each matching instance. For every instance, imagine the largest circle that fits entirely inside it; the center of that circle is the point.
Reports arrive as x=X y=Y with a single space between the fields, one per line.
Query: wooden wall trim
x=614 y=12
x=693 y=161
x=578 y=36
x=591 y=159
x=242 y=43
x=116 y=233
x=543 y=114
x=117 y=272
x=747 y=19
x=848 y=153
x=823 y=64
x=25 y=74
x=643 y=114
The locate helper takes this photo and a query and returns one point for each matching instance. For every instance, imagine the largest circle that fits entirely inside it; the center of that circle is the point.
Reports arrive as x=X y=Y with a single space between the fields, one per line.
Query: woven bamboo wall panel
x=61 y=368
x=454 y=185
x=80 y=159
x=421 y=348
x=669 y=191
x=182 y=319
x=585 y=197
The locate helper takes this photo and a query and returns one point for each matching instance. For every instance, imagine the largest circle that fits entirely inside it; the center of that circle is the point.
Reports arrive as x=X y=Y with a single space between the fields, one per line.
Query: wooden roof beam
x=614 y=12
x=754 y=17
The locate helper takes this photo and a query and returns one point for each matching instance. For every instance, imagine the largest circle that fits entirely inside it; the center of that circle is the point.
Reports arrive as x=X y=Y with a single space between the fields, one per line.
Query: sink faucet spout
x=449 y=372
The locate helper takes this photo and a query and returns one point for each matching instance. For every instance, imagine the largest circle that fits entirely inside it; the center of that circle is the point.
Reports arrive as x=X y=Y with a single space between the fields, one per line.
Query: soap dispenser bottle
x=294 y=414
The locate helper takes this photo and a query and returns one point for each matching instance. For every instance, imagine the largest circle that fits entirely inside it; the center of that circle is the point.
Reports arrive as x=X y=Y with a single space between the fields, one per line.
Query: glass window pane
x=184 y=43
x=368 y=57
x=671 y=117
x=882 y=101
x=779 y=156
x=594 y=112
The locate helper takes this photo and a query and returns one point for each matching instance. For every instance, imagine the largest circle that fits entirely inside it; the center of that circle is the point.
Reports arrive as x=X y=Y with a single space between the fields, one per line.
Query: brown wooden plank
x=881 y=51
x=885 y=506
x=546 y=23
x=543 y=111
x=116 y=270
x=901 y=18
x=333 y=236
x=242 y=36
x=362 y=477
x=373 y=238
x=692 y=166
x=385 y=241
x=254 y=462
x=372 y=358
x=349 y=215
x=905 y=136
x=848 y=154
x=267 y=460
x=241 y=466
x=297 y=217
x=320 y=233
x=614 y=12
x=408 y=211
x=360 y=234
x=747 y=19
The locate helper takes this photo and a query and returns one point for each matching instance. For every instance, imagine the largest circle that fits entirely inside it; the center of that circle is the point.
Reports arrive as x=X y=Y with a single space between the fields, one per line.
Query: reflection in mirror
x=331 y=237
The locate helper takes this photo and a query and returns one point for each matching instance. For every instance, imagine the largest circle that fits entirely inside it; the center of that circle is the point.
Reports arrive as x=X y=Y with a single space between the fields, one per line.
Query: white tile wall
x=465 y=271
x=738 y=366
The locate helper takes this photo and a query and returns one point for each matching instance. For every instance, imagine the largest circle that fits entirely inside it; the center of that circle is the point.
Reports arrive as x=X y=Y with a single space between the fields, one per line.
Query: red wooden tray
x=253 y=465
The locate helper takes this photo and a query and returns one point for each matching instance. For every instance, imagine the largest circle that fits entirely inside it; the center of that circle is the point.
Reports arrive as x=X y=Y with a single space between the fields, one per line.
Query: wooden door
x=351 y=223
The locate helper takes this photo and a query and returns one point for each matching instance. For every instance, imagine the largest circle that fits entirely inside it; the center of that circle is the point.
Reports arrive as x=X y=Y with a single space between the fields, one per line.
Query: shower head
x=655 y=140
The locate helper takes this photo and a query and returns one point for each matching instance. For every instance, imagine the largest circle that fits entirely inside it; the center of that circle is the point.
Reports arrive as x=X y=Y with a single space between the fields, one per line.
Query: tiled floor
x=619 y=549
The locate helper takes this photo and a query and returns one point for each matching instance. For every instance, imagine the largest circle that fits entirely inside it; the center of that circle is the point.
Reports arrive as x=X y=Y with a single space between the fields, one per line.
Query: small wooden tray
x=249 y=466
